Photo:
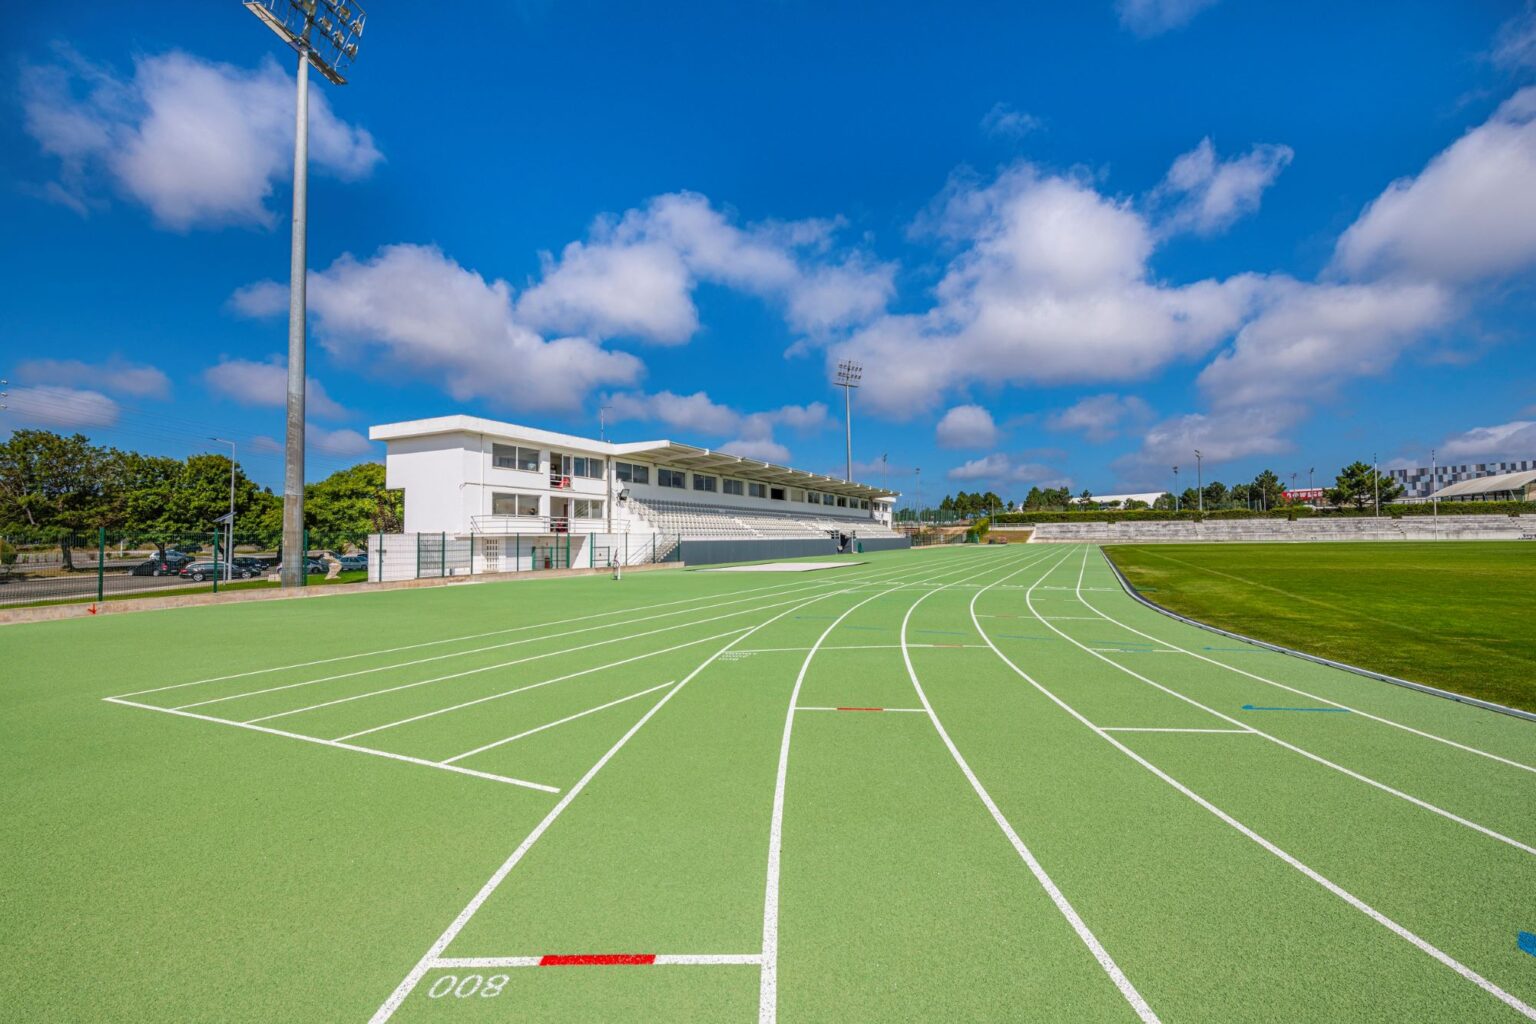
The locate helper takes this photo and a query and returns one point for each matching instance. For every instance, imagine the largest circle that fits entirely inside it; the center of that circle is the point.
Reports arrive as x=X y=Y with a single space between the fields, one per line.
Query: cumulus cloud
x=1101 y=417
x=1205 y=194
x=411 y=310
x=699 y=414
x=966 y=426
x=1310 y=338
x=1513 y=440
x=998 y=469
x=199 y=143
x=1470 y=214
x=1003 y=121
x=764 y=449
x=116 y=375
x=1221 y=436
x=1154 y=17
x=343 y=442
x=1515 y=46
x=1051 y=285
x=635 y=275
x=50 y=405
x=253 y=383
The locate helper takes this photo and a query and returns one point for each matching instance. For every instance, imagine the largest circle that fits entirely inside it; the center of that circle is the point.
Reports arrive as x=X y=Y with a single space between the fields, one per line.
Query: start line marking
x=804 y=707
x=601 y=960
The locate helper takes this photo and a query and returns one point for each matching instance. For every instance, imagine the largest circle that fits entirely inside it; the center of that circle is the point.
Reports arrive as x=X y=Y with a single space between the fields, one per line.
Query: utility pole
x=229 y=549
x=325 y=34
x=848 y=374
x=1199 y=482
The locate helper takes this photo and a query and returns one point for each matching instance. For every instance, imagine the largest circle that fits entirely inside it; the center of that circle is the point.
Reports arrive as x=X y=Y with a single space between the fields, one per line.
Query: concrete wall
x=1422 y=528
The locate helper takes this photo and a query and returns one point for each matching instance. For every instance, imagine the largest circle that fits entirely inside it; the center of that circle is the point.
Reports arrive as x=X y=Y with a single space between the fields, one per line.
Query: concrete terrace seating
x=1320 y=528
x=689 y=519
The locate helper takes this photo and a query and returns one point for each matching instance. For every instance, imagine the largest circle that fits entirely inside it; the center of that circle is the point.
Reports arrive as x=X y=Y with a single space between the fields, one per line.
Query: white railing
x=506 y=526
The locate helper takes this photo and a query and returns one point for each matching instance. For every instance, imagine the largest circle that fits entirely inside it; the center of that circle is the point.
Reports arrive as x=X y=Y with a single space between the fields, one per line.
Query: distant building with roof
x=1420 y=482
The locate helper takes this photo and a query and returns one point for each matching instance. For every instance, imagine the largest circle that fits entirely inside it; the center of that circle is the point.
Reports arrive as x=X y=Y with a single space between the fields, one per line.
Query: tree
x=1034 y=500
x=1133 y=504
x=1086 y=496
x=1215 y=495
x=350 y=503
x=1357 y=484
x=1268 y=489
x=54 y=486
x=1164 y=502
x=1189 y=501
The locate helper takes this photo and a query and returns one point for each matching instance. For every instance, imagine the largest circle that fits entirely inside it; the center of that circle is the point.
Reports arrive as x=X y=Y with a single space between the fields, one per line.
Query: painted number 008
x=469 y=985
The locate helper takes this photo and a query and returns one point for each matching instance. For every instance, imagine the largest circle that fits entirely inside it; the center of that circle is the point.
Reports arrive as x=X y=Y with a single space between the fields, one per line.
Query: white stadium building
x=517 y=489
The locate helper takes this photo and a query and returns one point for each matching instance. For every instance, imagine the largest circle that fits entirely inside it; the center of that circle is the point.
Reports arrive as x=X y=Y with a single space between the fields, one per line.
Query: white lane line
x=807 y=707
x=1323 y=700
x=412 y=979
x=1127 y=990
x=1319 y=759
x=558 y=721
x=660 y=960
x=1123 y=650
x=473 y=636
x=854 y=647
x=1337 y=890
x=337 y=744
x=1135 y=728
x=542 y=682
x=481 y=650
x=768 y=984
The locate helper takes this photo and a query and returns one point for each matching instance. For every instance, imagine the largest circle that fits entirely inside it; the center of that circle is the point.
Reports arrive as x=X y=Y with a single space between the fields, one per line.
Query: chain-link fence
x=105 y=566
x=411 y=556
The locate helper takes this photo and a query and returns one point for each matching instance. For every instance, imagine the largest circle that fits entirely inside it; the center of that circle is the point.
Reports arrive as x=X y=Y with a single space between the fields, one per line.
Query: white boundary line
x=1337 y=890
x=1127 y=990
x=413 y=978
x=558 y=721
x=1324 y=700
x=662 y=960
x=1134 y=728
x=1357 y=776
x=337 y=744
x=768 y=982
x=807 y=707
x=477 y=636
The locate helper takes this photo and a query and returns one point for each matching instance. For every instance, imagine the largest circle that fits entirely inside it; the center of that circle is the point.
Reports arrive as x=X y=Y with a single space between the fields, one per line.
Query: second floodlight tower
x=325 y=33
x=848 y=374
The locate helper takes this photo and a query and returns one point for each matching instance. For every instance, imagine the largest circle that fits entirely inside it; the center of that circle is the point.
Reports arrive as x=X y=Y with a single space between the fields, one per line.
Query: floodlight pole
x=1175 y=490
x=1376 y=483
x=1434 y=487
x=1199 y=482
x=293 y=565
x=848 y=373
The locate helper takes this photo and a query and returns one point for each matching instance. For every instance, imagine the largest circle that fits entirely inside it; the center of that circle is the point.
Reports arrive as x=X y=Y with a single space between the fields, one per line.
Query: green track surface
x=1458 y=616
x=989 y=848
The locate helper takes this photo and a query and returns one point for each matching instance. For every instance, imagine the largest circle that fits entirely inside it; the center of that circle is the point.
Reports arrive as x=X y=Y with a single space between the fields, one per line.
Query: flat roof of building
x=675 y=454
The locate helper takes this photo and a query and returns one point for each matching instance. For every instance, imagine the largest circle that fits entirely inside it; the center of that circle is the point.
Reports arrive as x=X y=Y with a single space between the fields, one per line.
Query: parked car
x=199 y=571
x=256 y=565
x=312 y=567
x=170 y=565
x=351 y=563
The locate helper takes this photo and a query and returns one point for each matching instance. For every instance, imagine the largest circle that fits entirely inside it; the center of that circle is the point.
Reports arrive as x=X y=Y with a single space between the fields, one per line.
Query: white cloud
x=248 y=382
x=1051 y=285
x=966 y=426
x=411 y=310
x=50 y=405
x=1222 y=436
x=199 y=143
x=635 y=275
x=1513 y=440
x=1471 y=213
x=1309 y=338
x=1101 y=417
x=1515 y=46
x=260 y=299
x=699 y=414
x=343 y=442
x=1154 y=17
x=764 y=449
x=115 y=375
x=1205 y=194
x=1003 y=121
x=999 y=469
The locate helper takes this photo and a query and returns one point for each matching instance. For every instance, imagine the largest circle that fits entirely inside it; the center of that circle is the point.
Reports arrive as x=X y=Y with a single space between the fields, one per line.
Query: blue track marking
x=1527 y=943
x=1251 y=707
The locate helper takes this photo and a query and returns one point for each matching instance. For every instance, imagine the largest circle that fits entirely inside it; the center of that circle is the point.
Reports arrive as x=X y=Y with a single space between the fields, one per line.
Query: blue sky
x=1069 y=243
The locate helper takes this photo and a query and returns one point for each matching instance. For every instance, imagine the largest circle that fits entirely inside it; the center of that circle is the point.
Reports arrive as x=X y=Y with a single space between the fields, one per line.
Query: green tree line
x=60 y=488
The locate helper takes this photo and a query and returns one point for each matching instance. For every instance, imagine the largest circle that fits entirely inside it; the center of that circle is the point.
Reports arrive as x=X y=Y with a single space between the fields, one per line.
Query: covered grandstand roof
x=683 y=456
x=1499 y=483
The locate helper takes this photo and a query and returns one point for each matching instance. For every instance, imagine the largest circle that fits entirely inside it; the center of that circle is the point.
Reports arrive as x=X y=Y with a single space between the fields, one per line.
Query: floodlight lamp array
x=327 y=32
x=849 y=374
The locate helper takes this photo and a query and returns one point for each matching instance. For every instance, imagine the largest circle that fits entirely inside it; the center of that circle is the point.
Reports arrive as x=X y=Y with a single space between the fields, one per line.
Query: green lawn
x=1460 y=616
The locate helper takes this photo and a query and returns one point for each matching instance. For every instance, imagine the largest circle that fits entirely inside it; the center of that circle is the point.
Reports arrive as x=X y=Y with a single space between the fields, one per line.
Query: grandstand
x=519 y=488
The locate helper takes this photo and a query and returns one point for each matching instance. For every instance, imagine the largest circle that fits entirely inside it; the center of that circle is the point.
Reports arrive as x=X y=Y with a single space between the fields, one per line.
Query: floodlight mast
x=324 y=33
x=848 y=374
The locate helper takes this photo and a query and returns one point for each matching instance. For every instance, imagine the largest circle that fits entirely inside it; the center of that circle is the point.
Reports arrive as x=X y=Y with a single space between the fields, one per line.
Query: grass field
x=1459 y=616
x=965 y=784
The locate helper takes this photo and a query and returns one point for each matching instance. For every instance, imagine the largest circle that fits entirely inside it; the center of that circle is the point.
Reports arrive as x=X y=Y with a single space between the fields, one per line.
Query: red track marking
x=861 y=709
x=597 y=960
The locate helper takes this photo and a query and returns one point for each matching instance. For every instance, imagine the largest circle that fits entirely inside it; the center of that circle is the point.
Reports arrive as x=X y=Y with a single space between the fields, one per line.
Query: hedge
x=1447 y=508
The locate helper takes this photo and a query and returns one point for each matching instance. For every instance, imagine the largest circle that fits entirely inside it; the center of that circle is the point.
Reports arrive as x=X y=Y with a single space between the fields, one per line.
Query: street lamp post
x=325 y=33
x=229 y=548
x=1199 y=482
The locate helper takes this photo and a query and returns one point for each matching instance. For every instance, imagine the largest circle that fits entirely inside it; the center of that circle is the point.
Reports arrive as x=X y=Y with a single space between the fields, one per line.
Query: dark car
x=256 y=565
x=170 y=565
x=199 y=571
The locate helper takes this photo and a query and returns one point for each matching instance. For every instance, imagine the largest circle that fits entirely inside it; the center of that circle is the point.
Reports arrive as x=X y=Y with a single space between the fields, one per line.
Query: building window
x=514 y=504
x=813 y=497
x=842 y=502
x=632 y=472
x=671 y=478
x=776 y=493
x=588 y=467
x=757 y=490
x=509 y=456
x=587 y=508
x=732 y=487
x=704 y=483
